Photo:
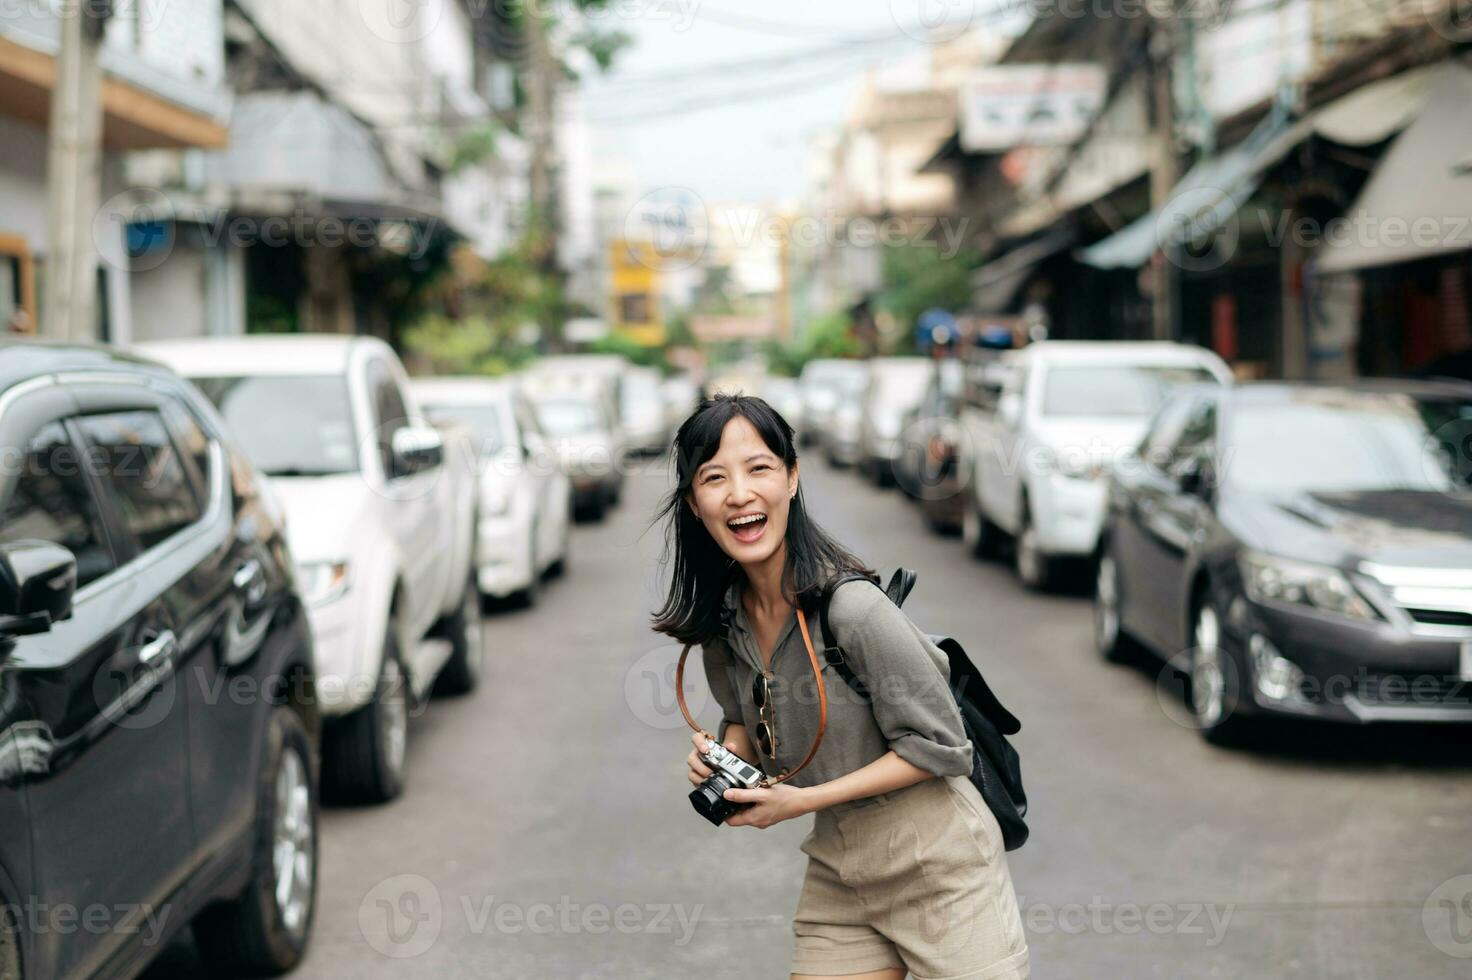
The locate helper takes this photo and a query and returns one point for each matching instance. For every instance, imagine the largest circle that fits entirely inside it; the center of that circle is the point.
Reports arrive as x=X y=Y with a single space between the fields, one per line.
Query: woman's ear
x=792 y=481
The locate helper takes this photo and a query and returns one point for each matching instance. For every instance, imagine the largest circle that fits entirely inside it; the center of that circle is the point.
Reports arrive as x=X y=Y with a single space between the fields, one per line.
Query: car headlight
x=1271 y=579
x=323 y=581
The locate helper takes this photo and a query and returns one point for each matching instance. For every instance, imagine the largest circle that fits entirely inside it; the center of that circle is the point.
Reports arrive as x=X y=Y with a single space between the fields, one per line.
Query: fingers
x=748 y=795
x=700 y=741
x=697 y=766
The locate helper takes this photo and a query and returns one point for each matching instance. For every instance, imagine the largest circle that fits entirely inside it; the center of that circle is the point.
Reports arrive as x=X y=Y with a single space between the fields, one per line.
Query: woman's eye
x=759 y=467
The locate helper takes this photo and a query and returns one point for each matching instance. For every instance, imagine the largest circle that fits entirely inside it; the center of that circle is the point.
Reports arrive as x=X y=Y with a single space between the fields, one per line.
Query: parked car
x=587 y=443
x=1037 y=457
x=525 y=513
x=603 y=374
x=642 y=412
x=895 y=386
x=826 y=383
x=681 y=397
x=381 y=517
x=158 y=717
x=1307 y=549
x=785 y=395
x=926 y=465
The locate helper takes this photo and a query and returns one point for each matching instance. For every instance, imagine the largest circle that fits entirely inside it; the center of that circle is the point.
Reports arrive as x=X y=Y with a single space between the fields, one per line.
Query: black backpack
x=996 y=770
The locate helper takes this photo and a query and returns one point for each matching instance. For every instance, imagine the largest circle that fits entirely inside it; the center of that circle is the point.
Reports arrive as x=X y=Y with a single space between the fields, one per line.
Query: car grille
x=1436 y=601
x=1421 y=690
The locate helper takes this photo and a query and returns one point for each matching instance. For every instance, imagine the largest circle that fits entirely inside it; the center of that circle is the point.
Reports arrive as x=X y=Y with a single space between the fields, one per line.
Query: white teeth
x=740 y=521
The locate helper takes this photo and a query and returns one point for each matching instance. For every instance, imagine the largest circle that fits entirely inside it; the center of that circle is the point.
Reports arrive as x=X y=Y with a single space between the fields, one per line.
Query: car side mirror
x=417 y=448
x=37 y=582
x=1193 y=476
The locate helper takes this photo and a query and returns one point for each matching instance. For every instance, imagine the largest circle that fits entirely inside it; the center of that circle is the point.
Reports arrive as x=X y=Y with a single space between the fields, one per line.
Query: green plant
x=920 y=277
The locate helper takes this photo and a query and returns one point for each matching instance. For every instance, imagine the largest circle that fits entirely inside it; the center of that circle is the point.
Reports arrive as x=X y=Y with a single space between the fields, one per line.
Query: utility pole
x=1164 y=172
x=74 y=174
x=541 y=70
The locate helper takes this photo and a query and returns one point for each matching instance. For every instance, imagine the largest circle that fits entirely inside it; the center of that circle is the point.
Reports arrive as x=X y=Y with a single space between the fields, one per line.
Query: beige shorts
x=915 y=879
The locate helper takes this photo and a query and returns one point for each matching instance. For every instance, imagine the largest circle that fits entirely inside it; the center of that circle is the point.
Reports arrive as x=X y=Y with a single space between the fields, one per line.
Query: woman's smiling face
x=742 y=494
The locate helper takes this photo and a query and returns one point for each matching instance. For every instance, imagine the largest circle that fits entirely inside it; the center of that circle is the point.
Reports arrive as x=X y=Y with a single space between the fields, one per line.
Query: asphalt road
x=545 y=831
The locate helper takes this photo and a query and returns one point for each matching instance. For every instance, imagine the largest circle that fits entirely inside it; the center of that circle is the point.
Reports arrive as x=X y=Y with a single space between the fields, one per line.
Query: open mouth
x=749 y=528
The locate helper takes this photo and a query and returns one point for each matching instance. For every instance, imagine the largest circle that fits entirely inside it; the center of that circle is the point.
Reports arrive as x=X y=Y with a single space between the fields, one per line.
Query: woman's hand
x=768 y=806
x=699 y=771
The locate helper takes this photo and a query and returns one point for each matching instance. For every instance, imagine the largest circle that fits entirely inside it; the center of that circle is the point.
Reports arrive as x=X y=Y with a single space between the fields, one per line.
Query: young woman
x=906 y=869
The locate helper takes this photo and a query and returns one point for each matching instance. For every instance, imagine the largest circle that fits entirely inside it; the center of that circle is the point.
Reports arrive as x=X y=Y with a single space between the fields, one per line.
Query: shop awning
x=995 y=284
x=1377 y=111
x=1204 y=200
x=1418 y=202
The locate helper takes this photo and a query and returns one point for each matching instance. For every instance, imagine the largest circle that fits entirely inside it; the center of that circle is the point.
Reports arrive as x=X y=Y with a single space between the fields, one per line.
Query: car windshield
x=641 y=393
x=899 y=390
x=566 y=417
x=1116 y=390
x=1343 y=441
x=488 y=421
x=288 y=425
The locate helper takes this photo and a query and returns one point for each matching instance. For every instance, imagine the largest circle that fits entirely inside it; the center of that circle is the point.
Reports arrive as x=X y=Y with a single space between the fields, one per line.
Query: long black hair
x=701 y=571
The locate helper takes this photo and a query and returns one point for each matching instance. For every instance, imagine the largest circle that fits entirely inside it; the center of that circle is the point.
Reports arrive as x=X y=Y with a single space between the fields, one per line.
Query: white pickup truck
x=380 y=519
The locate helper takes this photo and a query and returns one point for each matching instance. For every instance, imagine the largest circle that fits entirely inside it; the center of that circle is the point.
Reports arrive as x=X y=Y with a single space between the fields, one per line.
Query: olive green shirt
x=911 y=709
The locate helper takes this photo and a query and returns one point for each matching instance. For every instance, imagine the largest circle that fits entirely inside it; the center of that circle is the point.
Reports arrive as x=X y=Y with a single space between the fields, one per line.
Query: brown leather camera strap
x=807 y=640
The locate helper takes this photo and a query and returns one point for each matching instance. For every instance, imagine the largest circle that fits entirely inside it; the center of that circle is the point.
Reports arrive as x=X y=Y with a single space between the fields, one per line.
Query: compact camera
x=731 y=772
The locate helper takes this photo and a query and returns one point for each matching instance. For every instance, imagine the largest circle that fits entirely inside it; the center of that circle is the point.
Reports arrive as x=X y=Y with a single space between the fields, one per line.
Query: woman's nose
x=740 y=491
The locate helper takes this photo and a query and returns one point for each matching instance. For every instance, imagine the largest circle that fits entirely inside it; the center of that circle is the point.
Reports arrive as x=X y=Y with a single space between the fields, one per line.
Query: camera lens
x=709 y=798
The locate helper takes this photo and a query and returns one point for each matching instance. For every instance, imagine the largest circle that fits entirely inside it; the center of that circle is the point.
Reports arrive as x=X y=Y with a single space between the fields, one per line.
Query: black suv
x=158 y=740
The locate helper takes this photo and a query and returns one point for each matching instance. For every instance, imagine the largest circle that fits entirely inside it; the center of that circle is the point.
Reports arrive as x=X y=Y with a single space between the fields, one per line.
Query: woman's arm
x=782 y=802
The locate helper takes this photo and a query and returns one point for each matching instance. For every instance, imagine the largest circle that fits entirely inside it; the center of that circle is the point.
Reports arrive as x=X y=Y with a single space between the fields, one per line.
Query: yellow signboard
x=635 y=312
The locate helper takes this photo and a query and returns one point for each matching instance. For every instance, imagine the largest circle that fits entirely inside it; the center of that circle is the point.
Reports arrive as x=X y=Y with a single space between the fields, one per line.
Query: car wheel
x=1110 y=639
x=265 y=931
x=1034 y=568
x=464 y=631
x=981 y=537
x=367 y=749
x=1213 y=682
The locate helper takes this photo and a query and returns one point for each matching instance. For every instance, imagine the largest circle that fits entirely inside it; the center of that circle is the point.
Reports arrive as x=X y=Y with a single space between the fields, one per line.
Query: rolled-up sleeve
x=908 y=682
x=719 y=674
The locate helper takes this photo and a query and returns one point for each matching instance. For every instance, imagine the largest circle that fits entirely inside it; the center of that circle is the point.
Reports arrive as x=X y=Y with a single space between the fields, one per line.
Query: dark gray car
x=1299 y=549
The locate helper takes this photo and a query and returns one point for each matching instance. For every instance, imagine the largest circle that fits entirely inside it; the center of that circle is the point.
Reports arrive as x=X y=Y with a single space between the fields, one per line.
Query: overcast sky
x=681 y=118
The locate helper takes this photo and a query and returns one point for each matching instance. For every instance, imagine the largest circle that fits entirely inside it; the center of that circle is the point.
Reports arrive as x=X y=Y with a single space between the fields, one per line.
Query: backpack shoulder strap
x=833 y=654
x=827 y=596
x=900 y=585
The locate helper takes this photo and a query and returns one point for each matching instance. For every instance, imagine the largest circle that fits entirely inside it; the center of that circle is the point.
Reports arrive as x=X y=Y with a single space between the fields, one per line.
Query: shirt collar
x=731 y=606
